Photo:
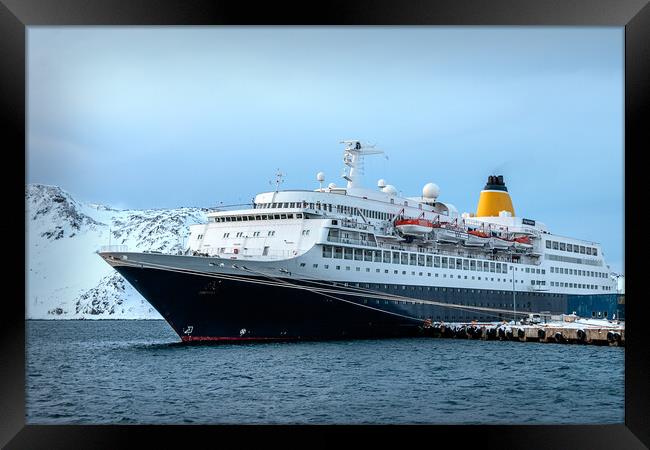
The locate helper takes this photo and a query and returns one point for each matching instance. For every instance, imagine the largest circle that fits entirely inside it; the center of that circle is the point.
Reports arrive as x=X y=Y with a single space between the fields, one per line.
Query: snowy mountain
x=66 y=279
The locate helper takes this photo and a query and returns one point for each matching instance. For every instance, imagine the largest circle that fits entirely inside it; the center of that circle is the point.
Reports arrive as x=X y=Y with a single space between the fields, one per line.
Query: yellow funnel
x=494 y=198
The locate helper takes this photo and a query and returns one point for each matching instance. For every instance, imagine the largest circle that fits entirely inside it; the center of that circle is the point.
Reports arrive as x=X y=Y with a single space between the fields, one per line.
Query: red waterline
x=228 y=338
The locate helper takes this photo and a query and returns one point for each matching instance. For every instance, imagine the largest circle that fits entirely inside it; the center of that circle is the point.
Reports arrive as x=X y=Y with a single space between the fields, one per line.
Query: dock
x=568 y=330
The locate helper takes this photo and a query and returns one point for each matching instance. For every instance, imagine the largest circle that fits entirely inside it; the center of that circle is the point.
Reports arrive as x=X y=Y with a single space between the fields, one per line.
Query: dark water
x=134 y=372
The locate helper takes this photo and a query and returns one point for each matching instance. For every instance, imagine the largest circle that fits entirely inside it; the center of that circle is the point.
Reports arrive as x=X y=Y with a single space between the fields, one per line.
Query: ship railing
x=356 y=224
x=113 y=249
x=341 y=240
x=257 y=252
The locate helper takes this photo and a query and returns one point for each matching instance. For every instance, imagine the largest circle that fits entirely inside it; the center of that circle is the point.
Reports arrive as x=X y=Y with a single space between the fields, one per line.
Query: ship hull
x=208 y=308
x=231 y=304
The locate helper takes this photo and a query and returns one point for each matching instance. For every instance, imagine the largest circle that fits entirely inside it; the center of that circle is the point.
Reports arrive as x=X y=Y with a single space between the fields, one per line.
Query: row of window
x=249 y=218
x=572 y=260
x=578 y=285
x=241 y=234
x=413 y=259
x=575 y=248
x=340 y=209
x=579 y=272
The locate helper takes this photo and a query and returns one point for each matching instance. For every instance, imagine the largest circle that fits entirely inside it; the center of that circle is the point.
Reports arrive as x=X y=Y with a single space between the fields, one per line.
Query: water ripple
x=137 y=372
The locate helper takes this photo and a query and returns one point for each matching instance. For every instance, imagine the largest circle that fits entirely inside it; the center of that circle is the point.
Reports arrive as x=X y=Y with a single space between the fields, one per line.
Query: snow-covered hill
x=66 y=279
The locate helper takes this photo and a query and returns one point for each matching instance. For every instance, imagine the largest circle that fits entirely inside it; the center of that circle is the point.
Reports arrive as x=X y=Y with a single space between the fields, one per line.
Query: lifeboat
x=414 y=227
x=449 y=234
x=523 y=243
x=476 y=238
x=500 y=243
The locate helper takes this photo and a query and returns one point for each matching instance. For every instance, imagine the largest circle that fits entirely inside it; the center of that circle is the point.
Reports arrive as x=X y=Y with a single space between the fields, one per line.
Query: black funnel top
x=495 y=183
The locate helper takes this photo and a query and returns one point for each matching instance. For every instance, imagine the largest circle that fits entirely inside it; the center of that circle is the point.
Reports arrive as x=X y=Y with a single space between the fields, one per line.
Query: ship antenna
x=353 y=159
x=278 y=179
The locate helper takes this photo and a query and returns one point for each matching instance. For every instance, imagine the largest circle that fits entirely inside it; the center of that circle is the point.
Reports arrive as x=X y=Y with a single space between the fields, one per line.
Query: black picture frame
x=634 y=15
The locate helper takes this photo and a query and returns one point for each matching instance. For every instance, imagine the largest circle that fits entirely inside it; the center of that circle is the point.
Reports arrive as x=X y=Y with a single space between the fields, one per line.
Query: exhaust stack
x=494 y=198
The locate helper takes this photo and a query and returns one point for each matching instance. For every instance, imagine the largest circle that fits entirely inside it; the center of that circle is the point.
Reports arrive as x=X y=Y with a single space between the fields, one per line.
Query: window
x=347 y=253
x=413 y=259
x=387 y=257
x=582 y=249
x=338 y=252
x=504 y=268
x=548 y=244
x=472 y=265
x=465 y=264
x=327 y=251
x=569 y=247
x=562 y=246
x=405 y=258
x=429 y=261
x=395 y=257
x=225 y=235
x=271 y=233
x=595 y=252
x=436 y=261
x=377 y=256
x=555 y=245
x=358 y=254
x=444 y=262
x=367 y=255
x=491 y=267
x=239 y=234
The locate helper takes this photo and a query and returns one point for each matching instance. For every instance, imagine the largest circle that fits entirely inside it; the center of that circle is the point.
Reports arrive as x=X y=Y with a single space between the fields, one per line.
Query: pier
x=568 y=330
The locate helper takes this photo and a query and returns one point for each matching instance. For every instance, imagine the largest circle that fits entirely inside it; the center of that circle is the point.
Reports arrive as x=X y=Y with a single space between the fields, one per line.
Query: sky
x=162 y=117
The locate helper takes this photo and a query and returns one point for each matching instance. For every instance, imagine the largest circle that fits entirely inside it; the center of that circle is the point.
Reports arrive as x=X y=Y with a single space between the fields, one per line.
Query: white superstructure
x=357 y=235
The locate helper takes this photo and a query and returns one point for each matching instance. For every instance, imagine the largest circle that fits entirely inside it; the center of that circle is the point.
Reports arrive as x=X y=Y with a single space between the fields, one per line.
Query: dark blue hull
x=201 y=308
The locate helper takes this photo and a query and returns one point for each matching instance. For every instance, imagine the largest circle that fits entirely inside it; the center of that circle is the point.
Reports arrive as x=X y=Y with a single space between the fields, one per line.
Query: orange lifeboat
x=414 y=227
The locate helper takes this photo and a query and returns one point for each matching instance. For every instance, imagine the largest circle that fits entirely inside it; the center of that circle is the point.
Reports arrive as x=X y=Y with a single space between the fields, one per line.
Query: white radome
x=390 y=189
x=430 y=190
x=381 y=183
x=320 y=176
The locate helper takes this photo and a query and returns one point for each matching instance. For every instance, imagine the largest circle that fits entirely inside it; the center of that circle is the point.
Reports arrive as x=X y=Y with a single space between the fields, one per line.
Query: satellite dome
x=430 y=190
x=320 y=176
x=381 y=183
x=390 y=189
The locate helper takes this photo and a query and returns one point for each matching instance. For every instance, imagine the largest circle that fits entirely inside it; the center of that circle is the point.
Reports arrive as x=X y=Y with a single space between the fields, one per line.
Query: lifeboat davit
x=414 y=227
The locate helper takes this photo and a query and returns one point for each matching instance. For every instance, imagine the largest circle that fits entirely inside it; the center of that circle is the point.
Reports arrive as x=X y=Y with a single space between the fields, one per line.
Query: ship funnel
x=494 y=198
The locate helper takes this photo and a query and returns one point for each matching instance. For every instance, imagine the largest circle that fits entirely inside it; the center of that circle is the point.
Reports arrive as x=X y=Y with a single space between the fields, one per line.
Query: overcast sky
x=153 y=117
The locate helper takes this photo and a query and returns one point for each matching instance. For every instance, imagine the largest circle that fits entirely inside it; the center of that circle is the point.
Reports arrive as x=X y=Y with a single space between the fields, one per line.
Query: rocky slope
x=66 y=279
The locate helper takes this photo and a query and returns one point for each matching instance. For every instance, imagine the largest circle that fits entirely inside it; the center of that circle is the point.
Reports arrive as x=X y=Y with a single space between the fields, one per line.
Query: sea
x=138 y=372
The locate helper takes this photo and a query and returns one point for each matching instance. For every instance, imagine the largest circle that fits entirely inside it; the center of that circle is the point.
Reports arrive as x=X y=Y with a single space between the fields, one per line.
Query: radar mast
x=353 y=159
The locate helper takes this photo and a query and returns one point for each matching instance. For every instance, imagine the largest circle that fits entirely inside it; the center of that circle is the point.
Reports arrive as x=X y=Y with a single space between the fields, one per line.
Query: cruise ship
x=357 y=262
